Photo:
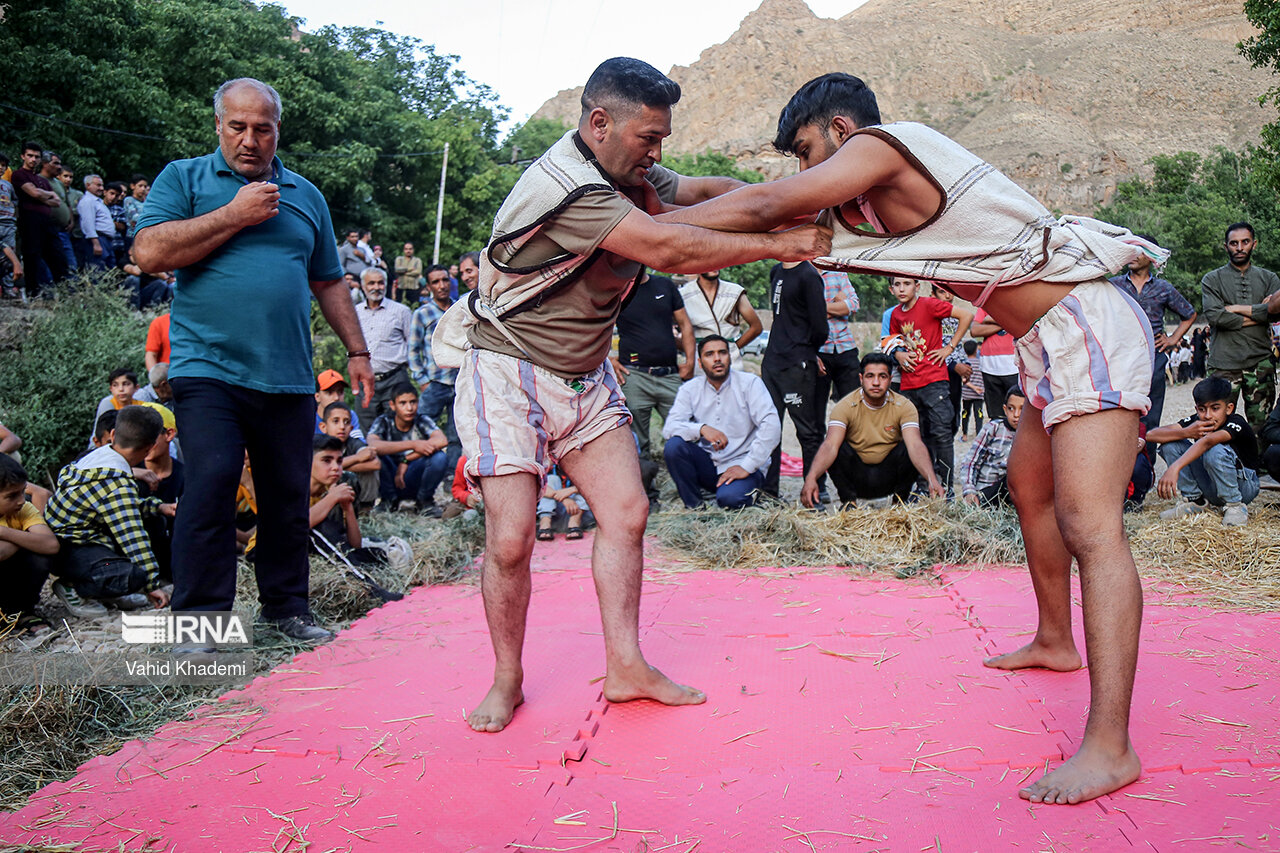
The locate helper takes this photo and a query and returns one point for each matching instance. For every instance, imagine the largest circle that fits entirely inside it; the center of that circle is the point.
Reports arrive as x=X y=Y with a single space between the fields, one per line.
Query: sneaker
x=1181 y=510
x=1235 y=515
x=132 y=601
x=431 y=510
x=877 y=503
x=85 y=608
x=302 y=627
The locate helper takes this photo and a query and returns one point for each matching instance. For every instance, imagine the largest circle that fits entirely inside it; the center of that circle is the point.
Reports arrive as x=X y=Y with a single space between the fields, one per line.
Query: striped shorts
x=515 y=417
x=1092 y=351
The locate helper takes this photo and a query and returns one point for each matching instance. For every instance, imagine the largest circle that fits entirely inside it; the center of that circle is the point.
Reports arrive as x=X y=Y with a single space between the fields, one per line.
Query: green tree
x=1263 y=51
x=125 y=86
x=1188 y=204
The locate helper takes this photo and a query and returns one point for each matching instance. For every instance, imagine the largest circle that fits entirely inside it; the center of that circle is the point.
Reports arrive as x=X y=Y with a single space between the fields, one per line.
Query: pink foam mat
x=845 y=711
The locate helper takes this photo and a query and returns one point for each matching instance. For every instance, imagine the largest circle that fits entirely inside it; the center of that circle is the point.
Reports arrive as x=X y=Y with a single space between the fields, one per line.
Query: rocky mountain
x=1068 y=97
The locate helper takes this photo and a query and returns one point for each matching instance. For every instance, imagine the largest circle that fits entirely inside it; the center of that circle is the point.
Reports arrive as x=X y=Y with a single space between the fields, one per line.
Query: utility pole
x=444 y=168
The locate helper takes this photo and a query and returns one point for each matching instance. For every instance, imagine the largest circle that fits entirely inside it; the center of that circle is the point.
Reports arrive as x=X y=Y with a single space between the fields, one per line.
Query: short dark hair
x=47 y=156
x=320 y=442
x=626 y=81
x=11 y=472
x=435 y=268
x=708 y=339
x=822 y=99
x=1212 y=390
x=4 y=159
x=1015 y=391
x=1236 y=227
x=118 y=187
x=137 y=427
x=402 y=389
x=474 y=257
x=334 y=406
x=32 y=146
x=135 y=177
x=970 y=347
x=126 y=372
x=875 y=358
x=106 y=423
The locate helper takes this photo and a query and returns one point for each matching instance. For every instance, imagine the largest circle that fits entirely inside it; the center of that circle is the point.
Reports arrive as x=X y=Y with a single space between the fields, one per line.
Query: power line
x=174 y=142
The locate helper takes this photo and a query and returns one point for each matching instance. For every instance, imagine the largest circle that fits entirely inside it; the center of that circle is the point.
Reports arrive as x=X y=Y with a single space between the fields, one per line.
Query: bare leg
x=509 y=503
x=1031 y=484
x=607 y=473
x=1092 y=461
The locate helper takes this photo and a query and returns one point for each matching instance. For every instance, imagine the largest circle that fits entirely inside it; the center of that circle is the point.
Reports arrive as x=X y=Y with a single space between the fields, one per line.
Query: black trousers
x=994 y=388
x=894 y=475
x=381 y=400
x=39 y=236
x=97 y=571
x=24 y=576
x=794 y=391
x=937 y=425
x=843 y=372
x=218 y=422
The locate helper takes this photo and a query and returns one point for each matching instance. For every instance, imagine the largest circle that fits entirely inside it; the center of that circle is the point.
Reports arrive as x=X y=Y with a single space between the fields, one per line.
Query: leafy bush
x=56 y=372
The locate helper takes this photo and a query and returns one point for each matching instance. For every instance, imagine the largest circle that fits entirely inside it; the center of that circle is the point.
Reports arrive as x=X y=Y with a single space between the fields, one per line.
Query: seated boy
x=560 y=499
x=1212 y=456
x=357 y=457
x=466 y=499
x=411 y=447
x=123 y=384
x=333 y=509
x=165 y=478
x=26 y=543
x=1271 y=441
x=10 y=443
x=332 y=388
x=984 y=471
x=97 y=515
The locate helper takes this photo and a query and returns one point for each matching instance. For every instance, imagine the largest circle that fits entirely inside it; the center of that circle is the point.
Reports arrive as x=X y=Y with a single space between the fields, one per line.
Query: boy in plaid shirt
x=97 y=515
x=983 y=471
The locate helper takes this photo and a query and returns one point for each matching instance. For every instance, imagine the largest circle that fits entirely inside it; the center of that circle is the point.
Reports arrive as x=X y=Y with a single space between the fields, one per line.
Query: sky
x=528 y=50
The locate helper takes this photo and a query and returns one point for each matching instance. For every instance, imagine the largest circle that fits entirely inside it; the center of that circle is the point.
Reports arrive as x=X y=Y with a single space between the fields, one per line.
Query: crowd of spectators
x=880 y=426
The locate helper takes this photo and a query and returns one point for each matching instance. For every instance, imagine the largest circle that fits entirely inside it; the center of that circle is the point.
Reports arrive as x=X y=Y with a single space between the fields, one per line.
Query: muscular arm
x=680 y=248
x=860 y=164
x=182 y=242
x=695 y=190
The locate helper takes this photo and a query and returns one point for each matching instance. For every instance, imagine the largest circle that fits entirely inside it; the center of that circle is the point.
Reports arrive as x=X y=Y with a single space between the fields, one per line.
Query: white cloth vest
x=989 y=231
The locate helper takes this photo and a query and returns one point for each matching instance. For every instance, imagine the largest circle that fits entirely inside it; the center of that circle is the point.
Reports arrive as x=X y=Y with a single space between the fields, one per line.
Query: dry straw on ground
x=1236 y=568
x=48 y=731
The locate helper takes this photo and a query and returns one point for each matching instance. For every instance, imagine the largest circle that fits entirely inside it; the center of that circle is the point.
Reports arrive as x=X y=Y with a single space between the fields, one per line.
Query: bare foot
x=646 y=682
x=1033 y=655
x=498 y=707
x=1088 y=774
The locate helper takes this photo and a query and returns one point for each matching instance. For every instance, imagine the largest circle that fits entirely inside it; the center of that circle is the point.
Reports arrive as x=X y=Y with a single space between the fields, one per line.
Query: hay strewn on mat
x=1235 y=568
x=47 y=732
x=904 y=539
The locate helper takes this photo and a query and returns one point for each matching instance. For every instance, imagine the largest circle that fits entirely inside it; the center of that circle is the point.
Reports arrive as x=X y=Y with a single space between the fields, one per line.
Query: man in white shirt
x=96 y=225
x=722 y=430
x=385 y=324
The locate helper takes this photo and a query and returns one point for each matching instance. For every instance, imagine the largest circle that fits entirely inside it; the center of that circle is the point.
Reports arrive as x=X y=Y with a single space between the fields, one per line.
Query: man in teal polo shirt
x=251 y=243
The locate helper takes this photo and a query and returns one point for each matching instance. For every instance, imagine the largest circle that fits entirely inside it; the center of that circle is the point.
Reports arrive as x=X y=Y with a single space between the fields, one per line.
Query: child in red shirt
x=918 y=319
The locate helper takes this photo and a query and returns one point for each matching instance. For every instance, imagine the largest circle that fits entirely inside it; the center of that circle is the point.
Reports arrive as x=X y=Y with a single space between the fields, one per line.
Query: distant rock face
x=1066 y=97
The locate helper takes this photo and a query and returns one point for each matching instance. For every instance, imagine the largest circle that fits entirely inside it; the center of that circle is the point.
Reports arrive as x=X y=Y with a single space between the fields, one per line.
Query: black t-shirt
x=1242 y=440
x=645 y=334
x=799 y=315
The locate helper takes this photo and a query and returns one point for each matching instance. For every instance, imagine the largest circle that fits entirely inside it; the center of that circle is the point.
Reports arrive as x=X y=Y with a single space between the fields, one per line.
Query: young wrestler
x=937 y=212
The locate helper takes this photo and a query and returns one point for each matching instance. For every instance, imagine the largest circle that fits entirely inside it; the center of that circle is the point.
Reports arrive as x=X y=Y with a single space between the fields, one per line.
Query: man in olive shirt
x=1240 y=300
x=873 y=446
